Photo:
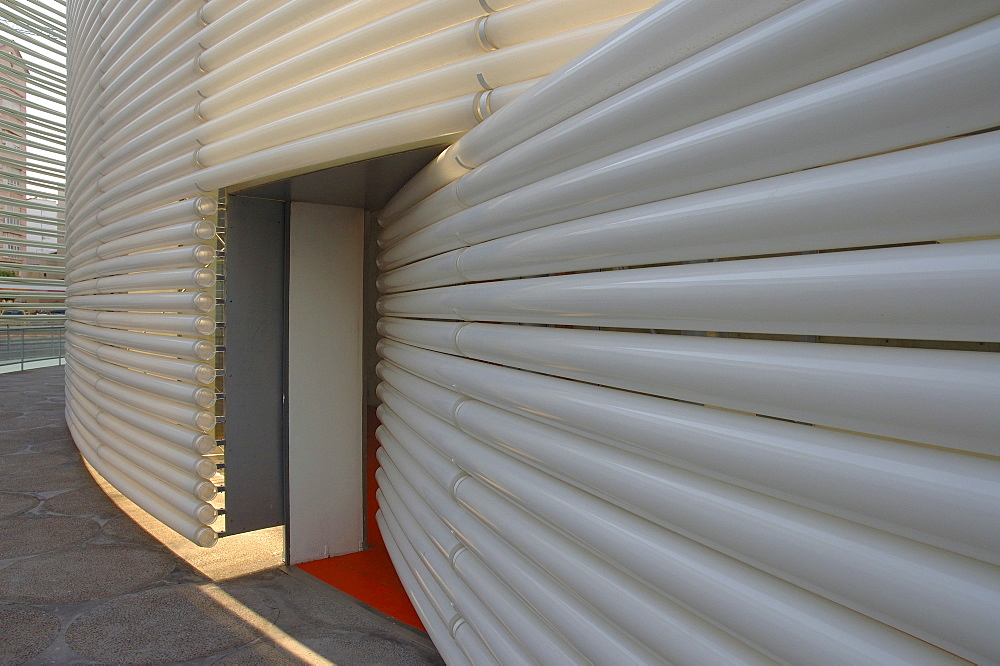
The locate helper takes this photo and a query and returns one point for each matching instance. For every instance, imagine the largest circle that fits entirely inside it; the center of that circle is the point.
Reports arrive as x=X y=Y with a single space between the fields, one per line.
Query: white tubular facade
x=711 y=337
x=170 y=102
x=689 y=338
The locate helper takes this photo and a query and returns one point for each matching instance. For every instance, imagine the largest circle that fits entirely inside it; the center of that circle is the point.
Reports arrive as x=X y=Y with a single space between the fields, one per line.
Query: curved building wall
x=689 y=352
x=172 y=102
x=683 y=365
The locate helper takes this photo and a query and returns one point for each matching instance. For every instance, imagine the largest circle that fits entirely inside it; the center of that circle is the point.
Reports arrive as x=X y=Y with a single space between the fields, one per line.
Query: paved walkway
x=81 y=582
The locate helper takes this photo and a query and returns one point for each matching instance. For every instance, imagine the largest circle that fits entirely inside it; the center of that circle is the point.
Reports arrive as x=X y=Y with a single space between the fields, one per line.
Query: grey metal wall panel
x=255 y=330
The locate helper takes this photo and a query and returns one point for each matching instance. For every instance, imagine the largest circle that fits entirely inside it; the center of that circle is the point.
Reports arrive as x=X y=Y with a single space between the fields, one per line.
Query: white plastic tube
x=191 y=325
x=876 y=482
x=183 y=302
x=138 y=136
x=928 y=93
x=313 y=107
x=145 y=107
x=934 y=192
x=349 y=18
x=224 y=41
x=185 y=233
x=668 y=623
x=858 y=636
x=510 y=432
x=116 y=18
x=184 y=501
x=494 y=99
x=157 y=20
x=251 y=73
x=394 y=432
x=194 y=463
x=348 y=32
x=282 y=99
x=442 y=607
x=569 y=470
x=943 y=398
x=487 y=627
x=176 y=279
x=435 y=627
x=174 y=71
x=807 y=43
x=900 y=559
x=412 y=50
x=441 y=171
x=185 y=97
x=422 y=126
x=342 y=72
x=188 y=256
x=432 y=124
x=185 y=415
x=179 y=435
x=156 y=24
x=190 y=210
x=459 y=633
x=155 y=506
x=173 y=368
x=183 y=480
x=234 y=13
x=666 y=35
x=187 y=504
x=558 y=503
x=848 y=632
x=170 y=159
x=544 y=644
x=437 y=335
x=169 y=345
x=535 y=20
x=134 y=135
x=591 y=633
x=434 y=398
x=182 y=392
x=181 y=43
x=438 y=536
x=158 y=209
x=502 y=646
x=932 y=292
x=177 y=167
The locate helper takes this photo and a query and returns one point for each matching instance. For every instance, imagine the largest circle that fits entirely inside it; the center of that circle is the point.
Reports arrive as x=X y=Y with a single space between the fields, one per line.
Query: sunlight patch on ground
x=232 y=557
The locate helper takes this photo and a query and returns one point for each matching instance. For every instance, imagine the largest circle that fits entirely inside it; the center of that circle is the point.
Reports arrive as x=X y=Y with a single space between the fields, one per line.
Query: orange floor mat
x=368 y=576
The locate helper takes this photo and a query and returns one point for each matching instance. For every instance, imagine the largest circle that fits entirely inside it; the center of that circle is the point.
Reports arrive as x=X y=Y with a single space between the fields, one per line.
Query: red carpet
x=368 y=576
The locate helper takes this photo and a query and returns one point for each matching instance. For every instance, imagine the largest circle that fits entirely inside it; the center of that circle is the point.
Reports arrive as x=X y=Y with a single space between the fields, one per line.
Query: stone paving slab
x=81 y=582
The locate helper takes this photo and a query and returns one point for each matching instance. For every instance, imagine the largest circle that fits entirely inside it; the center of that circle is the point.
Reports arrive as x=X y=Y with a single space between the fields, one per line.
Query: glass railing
x=30 y=341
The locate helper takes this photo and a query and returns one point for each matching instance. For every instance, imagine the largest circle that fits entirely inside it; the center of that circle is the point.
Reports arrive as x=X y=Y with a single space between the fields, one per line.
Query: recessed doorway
x=300 y=355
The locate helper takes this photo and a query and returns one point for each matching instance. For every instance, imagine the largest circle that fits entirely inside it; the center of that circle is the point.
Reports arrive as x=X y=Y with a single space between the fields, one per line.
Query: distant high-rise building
x=13 y=161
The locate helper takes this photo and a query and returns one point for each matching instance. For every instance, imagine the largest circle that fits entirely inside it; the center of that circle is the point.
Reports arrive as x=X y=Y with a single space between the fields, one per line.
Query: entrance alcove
x=300 y=353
